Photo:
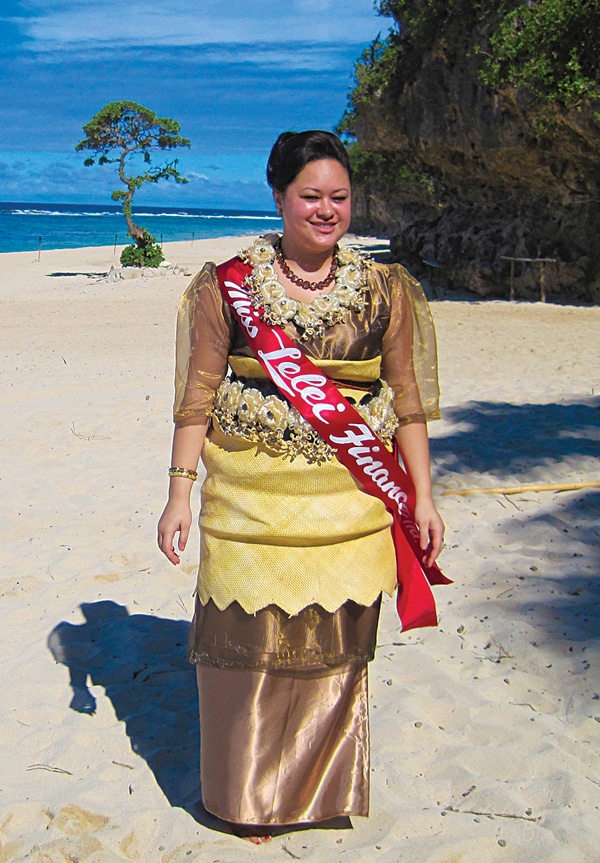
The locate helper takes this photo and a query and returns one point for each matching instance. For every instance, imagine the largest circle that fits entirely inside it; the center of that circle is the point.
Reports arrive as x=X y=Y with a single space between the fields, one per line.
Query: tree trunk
x=137 y=234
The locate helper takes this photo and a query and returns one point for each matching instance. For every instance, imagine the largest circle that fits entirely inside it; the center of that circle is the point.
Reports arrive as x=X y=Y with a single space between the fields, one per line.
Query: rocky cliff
x=462 y=177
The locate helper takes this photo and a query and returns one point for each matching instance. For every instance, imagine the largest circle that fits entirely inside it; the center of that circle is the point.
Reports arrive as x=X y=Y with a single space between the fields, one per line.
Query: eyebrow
x=315 y=189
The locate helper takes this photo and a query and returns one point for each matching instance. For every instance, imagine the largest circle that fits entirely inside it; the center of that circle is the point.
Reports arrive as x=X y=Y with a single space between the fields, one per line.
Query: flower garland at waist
x=242 y=410
x=267 y=293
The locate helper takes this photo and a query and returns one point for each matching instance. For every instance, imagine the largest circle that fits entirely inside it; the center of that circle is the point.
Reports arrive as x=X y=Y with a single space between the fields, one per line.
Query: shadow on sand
x=503 y=438
x=141 y=662
x=88 y=275
x=566 y=604
x=521 y=444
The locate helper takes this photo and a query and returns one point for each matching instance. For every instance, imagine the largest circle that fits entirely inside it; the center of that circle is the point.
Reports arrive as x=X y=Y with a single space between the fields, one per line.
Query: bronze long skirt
x=284 y=729
x=283 y=748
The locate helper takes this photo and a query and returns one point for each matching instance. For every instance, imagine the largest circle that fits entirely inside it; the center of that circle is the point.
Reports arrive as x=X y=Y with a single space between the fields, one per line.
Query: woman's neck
x=308 y=262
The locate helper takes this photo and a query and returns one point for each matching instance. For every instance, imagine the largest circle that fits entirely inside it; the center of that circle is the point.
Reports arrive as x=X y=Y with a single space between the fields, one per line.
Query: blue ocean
x=26 y=227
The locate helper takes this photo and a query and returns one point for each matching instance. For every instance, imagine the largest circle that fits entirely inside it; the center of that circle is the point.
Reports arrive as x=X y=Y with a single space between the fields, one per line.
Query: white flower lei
x=269 y=294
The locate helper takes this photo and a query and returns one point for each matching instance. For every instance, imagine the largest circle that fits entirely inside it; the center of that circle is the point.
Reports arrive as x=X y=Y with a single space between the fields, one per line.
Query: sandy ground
x=485 y=731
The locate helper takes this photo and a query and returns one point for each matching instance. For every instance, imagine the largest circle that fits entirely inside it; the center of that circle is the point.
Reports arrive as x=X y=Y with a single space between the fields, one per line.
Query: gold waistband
x=355 y=371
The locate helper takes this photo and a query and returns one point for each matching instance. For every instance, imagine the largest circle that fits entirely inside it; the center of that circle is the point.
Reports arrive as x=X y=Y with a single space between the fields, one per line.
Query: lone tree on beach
x=124 y=133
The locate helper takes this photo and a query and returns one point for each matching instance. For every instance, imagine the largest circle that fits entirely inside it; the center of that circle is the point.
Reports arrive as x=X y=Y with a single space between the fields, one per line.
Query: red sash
x=357 y=446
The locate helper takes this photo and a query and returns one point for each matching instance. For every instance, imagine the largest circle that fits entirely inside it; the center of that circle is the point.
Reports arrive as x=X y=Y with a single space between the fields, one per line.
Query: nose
x=325 y=210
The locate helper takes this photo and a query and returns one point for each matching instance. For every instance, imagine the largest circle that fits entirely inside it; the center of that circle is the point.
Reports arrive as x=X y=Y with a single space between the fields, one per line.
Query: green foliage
x=550 y=47
x=374 y=71
x=120 y=134
x=150 y=255
x=390 y=62
x=547 y=46
x=128 y=126
x=422 y=22
x=382 y=170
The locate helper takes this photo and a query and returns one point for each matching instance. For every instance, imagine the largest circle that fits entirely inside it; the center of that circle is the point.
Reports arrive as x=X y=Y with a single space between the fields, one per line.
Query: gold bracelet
x=184 y=472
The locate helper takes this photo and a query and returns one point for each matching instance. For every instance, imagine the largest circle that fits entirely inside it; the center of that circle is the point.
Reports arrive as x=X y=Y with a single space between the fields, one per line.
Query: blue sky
x=234 y=73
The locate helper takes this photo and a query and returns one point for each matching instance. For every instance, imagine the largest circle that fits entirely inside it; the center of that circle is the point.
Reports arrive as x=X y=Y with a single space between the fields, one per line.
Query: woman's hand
x=414 y=449
x=431 y=530
x=176 y=518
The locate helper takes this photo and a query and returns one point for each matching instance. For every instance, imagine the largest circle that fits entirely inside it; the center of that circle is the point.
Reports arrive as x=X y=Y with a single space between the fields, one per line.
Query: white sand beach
x=485 y=731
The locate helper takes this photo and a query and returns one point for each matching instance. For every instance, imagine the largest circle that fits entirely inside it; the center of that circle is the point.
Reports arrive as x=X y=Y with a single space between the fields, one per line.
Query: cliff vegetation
x=476 y=128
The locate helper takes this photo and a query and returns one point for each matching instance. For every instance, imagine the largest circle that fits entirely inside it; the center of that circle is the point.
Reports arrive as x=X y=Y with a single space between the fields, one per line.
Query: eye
x=339 y=199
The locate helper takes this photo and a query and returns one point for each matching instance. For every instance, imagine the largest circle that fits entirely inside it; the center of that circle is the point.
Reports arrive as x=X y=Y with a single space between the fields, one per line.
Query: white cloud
x=181 y=22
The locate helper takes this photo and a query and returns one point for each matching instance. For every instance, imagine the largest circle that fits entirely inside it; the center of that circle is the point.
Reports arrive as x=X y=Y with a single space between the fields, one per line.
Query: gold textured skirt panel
x=275 y=532
x=270 y=640
x=284 y=749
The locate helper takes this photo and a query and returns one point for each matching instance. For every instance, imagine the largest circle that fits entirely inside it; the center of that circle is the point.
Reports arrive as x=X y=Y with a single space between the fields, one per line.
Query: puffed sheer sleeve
x=202 y=348
x=409 y=351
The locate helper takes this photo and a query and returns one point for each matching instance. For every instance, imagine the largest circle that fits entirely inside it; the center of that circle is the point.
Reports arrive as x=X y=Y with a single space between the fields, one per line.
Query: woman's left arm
x=414 y=449
x=409 y=367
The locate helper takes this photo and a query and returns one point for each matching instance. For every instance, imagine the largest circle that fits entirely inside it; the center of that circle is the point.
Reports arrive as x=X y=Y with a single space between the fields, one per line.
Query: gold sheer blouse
x=392 y=337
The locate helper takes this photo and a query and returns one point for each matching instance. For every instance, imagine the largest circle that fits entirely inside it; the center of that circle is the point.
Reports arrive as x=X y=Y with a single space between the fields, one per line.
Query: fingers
x=172 y=555
x=184 y=532
x=175 y=519
x=436 y=534
x=431 y=536
x=165 y=543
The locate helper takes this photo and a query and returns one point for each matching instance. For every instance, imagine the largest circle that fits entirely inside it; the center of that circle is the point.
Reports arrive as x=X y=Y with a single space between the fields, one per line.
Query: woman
x=295 y=556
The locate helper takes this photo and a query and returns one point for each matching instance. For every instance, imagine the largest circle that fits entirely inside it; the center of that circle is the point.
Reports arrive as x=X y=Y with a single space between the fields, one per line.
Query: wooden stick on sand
x=516 y=489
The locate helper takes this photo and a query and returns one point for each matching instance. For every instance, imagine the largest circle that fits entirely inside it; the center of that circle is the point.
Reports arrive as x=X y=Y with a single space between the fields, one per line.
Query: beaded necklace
x=304 y=283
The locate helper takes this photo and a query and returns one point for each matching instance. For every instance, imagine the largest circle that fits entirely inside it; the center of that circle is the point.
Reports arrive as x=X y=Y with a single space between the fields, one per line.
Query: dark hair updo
x=293 y=151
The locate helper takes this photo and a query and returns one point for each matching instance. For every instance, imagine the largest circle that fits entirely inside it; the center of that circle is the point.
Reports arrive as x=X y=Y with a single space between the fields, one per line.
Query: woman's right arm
x=188 y=441
x=202 y=348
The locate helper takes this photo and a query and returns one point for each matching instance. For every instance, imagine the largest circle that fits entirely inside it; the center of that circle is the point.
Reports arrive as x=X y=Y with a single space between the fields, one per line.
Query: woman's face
x=316 y=207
